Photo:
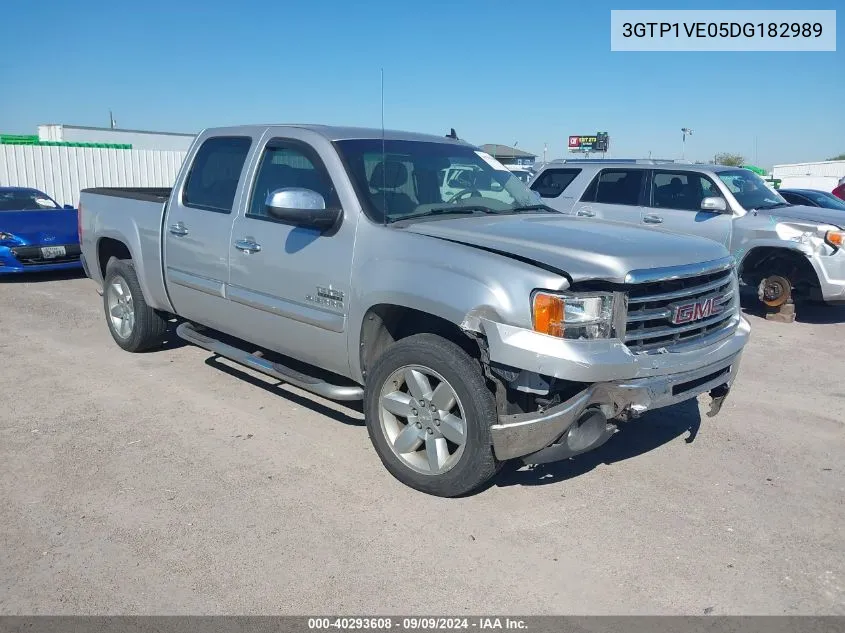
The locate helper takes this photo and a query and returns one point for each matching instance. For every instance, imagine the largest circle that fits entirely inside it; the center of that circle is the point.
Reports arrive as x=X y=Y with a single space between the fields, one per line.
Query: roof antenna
x=452 y=134
x=383 y=155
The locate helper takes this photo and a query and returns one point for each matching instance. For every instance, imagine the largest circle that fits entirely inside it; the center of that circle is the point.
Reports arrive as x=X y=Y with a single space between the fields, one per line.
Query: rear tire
x=133 y=324
x=428 y=412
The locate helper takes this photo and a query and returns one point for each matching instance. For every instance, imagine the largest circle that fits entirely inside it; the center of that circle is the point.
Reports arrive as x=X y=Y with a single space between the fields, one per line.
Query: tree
x=840 y=157
x=726 y=158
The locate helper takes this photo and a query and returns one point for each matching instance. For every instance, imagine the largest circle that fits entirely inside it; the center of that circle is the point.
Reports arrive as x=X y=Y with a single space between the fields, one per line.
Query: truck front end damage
x=676 y=334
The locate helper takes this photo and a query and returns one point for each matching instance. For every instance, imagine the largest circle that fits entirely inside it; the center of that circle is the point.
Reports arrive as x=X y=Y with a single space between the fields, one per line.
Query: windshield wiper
x=466 y=210
x=772 y=206
x=531 y=207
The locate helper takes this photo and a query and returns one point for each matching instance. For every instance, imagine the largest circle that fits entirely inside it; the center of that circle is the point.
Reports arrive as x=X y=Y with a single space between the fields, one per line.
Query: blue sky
x=530 y=72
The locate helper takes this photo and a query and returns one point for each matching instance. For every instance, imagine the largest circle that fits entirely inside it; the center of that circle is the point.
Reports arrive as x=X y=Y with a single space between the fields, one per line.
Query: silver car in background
x=779 y=248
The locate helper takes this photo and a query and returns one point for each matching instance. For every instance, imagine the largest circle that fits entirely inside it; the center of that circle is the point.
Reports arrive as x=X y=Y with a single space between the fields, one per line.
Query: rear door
x=197 y=230
x=675 y=205
x=616 y=193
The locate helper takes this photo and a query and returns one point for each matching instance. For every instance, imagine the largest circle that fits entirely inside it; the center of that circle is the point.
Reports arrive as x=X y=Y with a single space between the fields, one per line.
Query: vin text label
x=724 y=30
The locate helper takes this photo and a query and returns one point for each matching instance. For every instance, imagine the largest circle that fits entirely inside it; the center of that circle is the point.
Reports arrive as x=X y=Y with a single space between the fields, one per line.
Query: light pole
x=686 y=131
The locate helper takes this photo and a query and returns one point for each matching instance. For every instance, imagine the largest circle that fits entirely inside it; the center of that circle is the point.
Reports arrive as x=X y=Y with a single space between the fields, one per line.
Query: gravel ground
x=169 y=482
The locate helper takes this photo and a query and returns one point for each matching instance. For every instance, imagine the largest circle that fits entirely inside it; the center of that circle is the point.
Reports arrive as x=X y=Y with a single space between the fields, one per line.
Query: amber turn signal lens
x=548 y=314
x=835 y=238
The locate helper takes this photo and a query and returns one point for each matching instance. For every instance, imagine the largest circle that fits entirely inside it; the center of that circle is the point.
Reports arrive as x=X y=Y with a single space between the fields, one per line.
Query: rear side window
x=616 y=186
x=213 y=179
x=553 y=182
x=793 y=198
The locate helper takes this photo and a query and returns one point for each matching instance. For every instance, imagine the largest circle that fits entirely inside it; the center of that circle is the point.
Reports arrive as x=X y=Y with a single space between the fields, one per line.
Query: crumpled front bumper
x=643 y=383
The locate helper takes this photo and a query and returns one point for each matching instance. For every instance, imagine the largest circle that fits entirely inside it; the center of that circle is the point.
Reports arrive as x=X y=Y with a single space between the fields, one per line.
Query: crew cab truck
x=780 y=249
x=476 y=328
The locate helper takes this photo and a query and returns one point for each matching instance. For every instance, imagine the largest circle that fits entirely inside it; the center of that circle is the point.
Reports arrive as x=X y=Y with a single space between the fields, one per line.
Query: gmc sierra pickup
x=477 y=326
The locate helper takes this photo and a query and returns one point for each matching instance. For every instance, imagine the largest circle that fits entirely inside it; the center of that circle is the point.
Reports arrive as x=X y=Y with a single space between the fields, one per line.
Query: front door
x=675 y=205
x=290 y=285
x=197 y=230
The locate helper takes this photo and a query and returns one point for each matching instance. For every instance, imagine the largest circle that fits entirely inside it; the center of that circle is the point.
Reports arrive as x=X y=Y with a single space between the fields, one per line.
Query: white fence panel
x=62 y=171
x=823 y=169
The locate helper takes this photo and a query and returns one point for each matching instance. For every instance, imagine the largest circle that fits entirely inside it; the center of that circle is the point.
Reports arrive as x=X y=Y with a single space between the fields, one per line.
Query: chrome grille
x=652 y=306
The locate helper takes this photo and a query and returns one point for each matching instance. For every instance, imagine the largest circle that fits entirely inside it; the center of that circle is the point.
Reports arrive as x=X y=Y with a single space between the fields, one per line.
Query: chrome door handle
x=178 y=229
x=652 y=219
x=248 y=246
x=585 y=214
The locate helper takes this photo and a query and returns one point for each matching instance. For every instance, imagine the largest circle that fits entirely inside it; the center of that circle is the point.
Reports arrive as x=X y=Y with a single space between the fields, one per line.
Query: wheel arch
x=385 y=323
x=108 y=247
x=791 y=263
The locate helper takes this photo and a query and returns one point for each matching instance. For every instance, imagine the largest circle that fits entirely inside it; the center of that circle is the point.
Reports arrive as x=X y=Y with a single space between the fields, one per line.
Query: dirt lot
x=169 y=482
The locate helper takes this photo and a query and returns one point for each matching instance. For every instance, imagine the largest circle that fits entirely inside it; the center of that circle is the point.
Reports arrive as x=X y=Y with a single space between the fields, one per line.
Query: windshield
x=827 y=200
x=420 y=178
x=25 y=200
x=750 y=190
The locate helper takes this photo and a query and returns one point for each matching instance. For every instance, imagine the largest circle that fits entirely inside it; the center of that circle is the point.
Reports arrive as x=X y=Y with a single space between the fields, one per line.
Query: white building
x=822 y=175
x=138 y=139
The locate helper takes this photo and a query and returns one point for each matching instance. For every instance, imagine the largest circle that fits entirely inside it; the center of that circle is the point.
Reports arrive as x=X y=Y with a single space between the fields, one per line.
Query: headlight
x=835 y=238
x=7 y=237
x=581 y=315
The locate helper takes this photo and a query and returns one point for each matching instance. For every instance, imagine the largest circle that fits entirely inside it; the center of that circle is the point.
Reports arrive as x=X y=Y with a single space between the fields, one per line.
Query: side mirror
x=67 y=206
x=301 y=207
x=714 y=205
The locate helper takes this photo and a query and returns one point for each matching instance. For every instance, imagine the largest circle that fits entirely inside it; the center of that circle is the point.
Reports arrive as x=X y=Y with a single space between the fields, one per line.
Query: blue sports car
x=36 y=233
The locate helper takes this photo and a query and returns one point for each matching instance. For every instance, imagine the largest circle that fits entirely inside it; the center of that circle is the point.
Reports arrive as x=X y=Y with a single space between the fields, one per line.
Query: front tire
x=775 y=290
x=133 y=324
x=428 y=412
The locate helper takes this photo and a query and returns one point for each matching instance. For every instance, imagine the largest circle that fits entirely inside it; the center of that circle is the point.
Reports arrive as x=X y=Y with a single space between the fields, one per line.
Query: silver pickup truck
x=477 y=326
x=779 y=248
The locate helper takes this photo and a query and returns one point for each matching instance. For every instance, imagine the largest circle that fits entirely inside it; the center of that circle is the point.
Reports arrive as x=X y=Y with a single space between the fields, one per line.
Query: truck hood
x=583 y=249
x=811 y=214
x=53 y=226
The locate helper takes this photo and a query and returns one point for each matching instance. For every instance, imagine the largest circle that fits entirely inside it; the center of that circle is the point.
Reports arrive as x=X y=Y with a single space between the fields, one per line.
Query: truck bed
x=148 y=194
x=132 y=217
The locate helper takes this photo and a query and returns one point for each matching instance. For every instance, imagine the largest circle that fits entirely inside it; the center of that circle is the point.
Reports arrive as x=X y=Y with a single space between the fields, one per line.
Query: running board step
x=189 y=333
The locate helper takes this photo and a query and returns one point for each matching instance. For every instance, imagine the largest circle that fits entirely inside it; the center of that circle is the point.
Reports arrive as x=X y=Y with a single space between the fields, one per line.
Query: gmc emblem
x=695 y=310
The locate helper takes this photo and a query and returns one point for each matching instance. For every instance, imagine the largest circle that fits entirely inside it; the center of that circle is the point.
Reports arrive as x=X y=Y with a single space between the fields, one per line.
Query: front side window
x=213 y=180
x=750 y=190
x=793 y=198
x=681 y=190
x=289 y=165
x=411 y=179
x=553 y=182
x=616 y=186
